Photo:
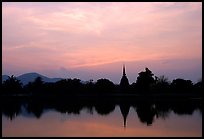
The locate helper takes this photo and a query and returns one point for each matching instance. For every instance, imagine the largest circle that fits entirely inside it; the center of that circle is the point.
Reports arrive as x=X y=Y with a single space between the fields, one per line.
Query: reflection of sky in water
x=53 y=123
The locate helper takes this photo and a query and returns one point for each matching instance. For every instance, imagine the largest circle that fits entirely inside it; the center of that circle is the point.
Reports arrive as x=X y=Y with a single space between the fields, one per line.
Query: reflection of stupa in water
x=124 y=110
x=124 y=83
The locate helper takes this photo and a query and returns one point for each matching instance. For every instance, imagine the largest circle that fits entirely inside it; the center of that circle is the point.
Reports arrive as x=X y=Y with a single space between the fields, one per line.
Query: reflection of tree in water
x=162 y=110
x=146 y=113
x=104 y=109
x=186 y=107
x=69 y=108
x=89 y=109
x=200 y=110
x=35 y=107
x=11 y=108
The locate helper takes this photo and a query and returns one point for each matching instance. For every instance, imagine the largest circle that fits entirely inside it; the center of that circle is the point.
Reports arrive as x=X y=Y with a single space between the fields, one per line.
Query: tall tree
x=12 y=85
x=145 y=79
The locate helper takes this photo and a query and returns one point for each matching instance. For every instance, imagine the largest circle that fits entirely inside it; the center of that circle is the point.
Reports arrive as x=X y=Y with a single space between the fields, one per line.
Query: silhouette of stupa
x=124 y=83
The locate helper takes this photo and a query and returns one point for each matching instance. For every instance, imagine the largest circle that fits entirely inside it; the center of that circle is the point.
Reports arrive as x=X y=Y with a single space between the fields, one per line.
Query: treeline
x=145 y=83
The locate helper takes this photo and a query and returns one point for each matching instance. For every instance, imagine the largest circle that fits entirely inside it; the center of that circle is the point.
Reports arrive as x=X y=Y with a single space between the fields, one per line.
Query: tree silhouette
x=61 y=86
x=145 y=79
x=89 y=86
x=35 y=87
x=103 y=85
x=162 y=83
x=182 y=85
x=66 y=86
x=74 y=85
x=198 y=86
x=12 y=85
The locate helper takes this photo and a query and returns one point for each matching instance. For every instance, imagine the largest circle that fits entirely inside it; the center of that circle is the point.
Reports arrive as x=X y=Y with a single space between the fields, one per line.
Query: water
x=85 y=118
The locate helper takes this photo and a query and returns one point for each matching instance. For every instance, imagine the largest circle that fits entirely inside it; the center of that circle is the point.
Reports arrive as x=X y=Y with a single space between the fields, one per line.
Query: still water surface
x=118 y=122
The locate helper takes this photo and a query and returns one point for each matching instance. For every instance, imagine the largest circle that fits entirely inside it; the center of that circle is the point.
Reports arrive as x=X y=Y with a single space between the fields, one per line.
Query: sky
x=94 y=40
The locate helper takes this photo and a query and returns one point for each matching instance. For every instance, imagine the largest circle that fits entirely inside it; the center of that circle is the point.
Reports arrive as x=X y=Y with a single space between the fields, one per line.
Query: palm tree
x=12 y=85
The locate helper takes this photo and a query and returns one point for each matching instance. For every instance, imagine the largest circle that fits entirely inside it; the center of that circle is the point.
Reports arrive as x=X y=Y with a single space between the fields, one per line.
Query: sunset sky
x=93 y=40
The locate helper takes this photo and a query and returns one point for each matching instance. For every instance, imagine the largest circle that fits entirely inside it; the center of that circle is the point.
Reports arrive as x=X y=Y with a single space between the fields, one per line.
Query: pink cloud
x=81 y=35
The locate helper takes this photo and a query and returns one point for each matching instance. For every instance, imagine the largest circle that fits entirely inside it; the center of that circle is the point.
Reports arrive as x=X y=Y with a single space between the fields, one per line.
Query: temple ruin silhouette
x=124 y=83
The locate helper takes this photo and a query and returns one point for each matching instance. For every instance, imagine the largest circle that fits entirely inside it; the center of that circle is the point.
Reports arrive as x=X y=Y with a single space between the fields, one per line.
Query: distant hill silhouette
x=4 y=78
x=30 y=77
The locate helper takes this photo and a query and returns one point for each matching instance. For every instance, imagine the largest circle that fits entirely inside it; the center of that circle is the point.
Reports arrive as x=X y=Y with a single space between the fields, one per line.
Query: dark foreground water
x=101 y=117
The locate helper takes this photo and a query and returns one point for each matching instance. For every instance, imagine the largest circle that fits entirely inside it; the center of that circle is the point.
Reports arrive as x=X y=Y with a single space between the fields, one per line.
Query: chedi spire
x=124 y=70
x=124 y=83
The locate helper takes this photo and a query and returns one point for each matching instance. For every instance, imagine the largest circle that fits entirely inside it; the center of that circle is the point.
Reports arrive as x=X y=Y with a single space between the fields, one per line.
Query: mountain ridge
x=30 y=77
